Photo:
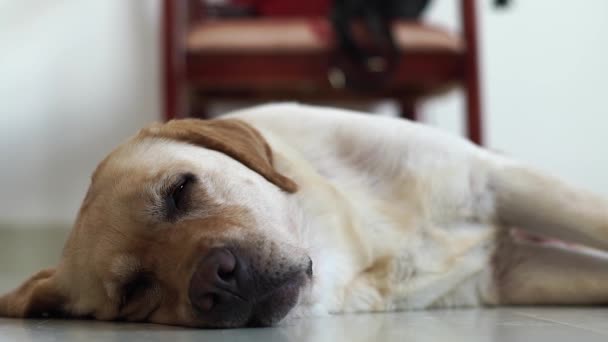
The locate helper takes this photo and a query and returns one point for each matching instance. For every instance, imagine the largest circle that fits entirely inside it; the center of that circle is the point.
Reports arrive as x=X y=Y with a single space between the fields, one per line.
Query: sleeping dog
x=285 y=210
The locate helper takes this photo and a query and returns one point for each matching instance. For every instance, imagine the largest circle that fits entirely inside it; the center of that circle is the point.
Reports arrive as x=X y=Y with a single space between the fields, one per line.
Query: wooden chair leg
x=174 y=85
x=473 y=113
x=472 y=92
x=201 y=112
x=407 y=110
x=199 y=107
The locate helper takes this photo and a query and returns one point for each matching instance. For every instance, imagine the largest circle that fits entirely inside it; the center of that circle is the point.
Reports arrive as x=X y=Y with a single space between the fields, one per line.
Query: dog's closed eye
x=177 y=199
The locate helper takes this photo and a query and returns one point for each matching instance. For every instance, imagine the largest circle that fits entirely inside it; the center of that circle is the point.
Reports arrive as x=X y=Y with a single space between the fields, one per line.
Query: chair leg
x=474 y=120
x=201 y=112
x=407 y=110
x=472 y=92
x=174 y=85
x=199 y=108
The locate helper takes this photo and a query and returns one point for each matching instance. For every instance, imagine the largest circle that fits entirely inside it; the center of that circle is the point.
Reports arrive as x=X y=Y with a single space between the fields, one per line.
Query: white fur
x=375 y=189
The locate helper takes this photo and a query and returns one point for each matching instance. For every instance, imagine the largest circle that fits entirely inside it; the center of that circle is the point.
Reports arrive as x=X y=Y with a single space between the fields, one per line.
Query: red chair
x=291 y=59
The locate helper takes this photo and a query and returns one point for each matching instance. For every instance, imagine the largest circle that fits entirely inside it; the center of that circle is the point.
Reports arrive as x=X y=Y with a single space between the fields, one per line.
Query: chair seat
x=304 y=35
x=294 y=58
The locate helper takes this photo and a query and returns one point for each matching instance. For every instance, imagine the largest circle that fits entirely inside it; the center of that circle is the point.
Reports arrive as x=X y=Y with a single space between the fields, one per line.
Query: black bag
x=368 y=67
x=363 y=67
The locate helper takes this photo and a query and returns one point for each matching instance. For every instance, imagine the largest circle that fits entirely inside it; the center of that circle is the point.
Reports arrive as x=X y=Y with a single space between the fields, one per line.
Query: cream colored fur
x=398 y=215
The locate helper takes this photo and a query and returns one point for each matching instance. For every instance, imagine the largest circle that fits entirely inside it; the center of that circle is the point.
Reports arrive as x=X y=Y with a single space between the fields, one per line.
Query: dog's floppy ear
x=36 y=297
x=232 y=137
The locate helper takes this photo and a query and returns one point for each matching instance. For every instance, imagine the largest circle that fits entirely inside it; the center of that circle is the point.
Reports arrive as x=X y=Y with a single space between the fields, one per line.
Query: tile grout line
x=600 y=332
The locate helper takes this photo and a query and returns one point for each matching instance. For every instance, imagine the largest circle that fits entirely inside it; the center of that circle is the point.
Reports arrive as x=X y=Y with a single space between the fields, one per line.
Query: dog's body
x=393 y=215
x=401 y=216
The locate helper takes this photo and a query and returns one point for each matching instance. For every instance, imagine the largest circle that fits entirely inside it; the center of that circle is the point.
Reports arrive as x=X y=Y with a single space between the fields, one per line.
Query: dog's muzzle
x=233 y=288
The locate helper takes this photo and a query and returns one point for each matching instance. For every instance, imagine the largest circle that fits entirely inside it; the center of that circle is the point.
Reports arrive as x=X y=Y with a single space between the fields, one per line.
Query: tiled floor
x=509 y=324
x=35 y=249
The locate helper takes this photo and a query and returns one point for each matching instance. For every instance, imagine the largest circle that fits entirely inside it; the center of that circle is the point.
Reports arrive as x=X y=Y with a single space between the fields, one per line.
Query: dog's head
x=186 y=224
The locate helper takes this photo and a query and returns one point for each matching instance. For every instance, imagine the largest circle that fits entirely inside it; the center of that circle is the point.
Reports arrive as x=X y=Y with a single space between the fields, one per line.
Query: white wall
x=546 y=67
x=545 y=85
x=78 y=76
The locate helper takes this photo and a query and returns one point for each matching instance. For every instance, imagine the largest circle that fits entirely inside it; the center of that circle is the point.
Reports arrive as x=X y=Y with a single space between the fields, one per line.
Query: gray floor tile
x=592 y=319
x=461 y=325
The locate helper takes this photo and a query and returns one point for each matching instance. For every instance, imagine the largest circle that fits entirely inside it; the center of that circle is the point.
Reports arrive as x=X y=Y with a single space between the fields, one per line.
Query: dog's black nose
x=218 y=282
x=233 y=287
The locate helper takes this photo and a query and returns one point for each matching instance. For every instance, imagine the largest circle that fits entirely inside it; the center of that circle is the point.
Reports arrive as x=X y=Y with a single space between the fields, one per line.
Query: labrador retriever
x=286 y=210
